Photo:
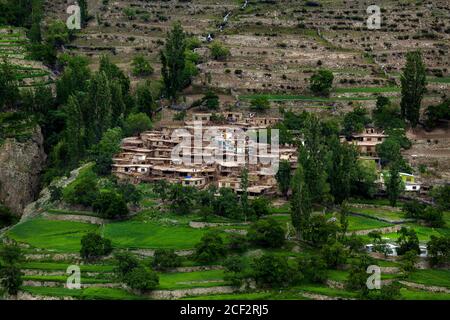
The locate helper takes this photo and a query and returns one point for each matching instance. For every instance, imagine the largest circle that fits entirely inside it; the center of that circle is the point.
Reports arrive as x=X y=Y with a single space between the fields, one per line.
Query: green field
x=55 y=266
x=423 y=233
x=431 y=277
x=184 y=280
x=60 y=236
x=152 y=235
x=357 y=223
x=380 y=213
x=87 y=294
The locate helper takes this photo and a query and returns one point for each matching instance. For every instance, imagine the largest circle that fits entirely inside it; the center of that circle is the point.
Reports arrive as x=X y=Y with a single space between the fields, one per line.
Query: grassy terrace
x=63 y=279
x=151 y=235
x=87 y=294
x=361 y=223
x=185 y=280
x=423 y=233
x=282 y=97
x=431 y=277
x=61 y=236
x=55 y=266
x=380 y=213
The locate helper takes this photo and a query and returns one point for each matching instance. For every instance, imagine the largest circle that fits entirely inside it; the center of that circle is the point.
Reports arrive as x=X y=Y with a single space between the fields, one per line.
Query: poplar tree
x=301 y=206
x=83 y=11
x=244 y=188
x=283 y=177
x=414 y=84
x=74 y=131
x=312 y=158
x=394 y=185
x=99 y=113
x=173 y=61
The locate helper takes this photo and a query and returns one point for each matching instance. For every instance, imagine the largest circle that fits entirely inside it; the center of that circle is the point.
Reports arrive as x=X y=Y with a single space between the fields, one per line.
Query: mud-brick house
x=367 y=141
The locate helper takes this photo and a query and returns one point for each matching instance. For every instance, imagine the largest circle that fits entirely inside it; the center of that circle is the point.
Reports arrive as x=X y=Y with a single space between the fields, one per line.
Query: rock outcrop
x=21 y=163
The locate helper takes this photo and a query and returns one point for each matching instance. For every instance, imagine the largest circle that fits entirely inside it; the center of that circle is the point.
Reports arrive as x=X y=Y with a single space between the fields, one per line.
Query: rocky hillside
x=22 y=159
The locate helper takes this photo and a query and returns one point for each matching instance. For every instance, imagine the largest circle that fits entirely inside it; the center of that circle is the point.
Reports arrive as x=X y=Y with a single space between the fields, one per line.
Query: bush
x=237 y=242
x=165 y=259
x=218 y=51
x=94 y=246
x=141 y=278
x=313 y=268
x=266 y=233
x=442 y=196
x=439 y=250
x=272 y=271
x=137 y=123
x=407 y=241
x=125 y=263
x=260 y=104
x=141 y=66
x=210 y=248
x=334 y=254
x=322 y=82
x=82 y=191
x=260 y=207
x=6 y=217
x=110 y=204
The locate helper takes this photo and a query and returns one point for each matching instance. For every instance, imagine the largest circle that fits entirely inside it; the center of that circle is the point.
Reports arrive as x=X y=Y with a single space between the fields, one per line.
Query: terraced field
x=13 y=48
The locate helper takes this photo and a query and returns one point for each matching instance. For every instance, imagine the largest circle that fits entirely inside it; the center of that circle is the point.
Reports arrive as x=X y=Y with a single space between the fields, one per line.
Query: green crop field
x=152 y=235
x=431 y=277
x=361 y=223
x=61 y=236
x=380 y=213
x=197 y=279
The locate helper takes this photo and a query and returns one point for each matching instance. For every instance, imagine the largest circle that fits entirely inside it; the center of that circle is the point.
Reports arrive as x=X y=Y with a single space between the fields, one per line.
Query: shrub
x=83 y=190
x=137 y=123
x=266 y=233
x=439 y=250
x=165 y=259
x=6 y=217
x=260 y=207
x=313 y=268
x=334 y=254
x=110 y=204
x=219 y=52
x=321 y=82
x=237 y=242
x=272 y=271
x=94 y=246
x=141 y=66
x=125 y=263
x=210 y=248
x=142 y=279
x=260 y=104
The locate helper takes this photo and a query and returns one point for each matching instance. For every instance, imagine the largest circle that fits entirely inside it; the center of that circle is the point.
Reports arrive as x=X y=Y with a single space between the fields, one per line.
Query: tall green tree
x=84 y=11
x=394 y=185
x=10 y=274
x=414 y=84
x=145 y=102
x=283 y=177
x=343 y=168
x=244 y=195
x=312 y=157
x=98 y=112
x=301 y=206
x=74 y=130
x=75 y=77
x=173 y=61
x=9 y=90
